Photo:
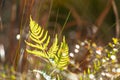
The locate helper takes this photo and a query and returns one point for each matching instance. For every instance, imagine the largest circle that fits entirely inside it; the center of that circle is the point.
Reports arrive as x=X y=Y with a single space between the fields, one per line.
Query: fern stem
x=53 y=71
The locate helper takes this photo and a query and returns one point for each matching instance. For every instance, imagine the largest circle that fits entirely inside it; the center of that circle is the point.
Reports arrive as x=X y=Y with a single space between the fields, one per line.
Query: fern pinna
x=39 y=41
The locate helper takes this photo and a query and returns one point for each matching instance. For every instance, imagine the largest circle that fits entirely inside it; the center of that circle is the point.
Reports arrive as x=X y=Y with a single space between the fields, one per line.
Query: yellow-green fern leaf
x=62 y=56
x=38 y=45
x=39 y=40
x=54 y=48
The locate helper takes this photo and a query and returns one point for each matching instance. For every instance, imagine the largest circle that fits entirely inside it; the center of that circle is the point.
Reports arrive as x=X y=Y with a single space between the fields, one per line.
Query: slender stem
x=56 y=21
x=117 y=18
x=49 y=13
x=52 y=72
x=65 y=23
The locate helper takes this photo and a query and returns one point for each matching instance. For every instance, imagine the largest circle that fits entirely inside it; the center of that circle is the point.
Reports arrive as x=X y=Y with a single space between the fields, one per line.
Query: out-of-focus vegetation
x=88 y=25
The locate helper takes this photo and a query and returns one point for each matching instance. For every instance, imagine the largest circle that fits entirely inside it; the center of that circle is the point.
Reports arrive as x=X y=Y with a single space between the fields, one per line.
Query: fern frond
x=62 y=55
x=54 y=48
x=57 y=55
x=40 y=38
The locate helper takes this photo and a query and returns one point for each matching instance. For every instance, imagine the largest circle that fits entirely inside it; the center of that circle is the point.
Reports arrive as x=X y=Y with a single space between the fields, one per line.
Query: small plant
x=56 y=55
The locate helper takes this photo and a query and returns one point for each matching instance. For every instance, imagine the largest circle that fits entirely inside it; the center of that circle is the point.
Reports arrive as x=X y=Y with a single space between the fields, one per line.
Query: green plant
x=55 y=55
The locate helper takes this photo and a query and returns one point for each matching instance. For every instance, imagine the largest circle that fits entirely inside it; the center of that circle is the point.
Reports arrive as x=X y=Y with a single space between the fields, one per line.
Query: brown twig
x=102 y=16
x=25 y=11
x=117 y=18
x=76 y=16
x=104 y=13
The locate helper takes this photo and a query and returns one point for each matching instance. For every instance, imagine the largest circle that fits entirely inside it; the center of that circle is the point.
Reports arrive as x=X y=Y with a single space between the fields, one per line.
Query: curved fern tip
x=63 y=38
x=30 y=17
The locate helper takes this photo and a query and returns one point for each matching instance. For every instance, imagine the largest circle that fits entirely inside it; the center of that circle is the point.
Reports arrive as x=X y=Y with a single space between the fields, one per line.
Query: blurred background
x=78 y=20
